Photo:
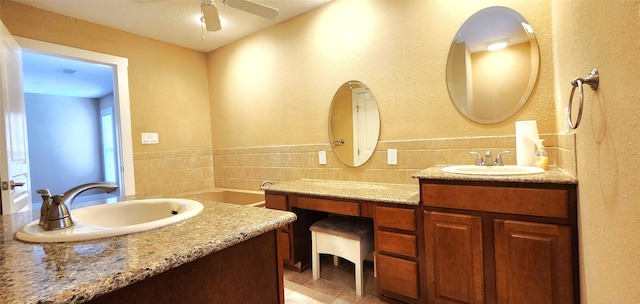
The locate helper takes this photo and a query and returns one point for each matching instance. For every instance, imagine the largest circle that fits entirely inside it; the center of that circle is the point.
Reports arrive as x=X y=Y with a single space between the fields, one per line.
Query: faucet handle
x=45 y=193
x=57 y=199
x=479 y=159
x=54 y=214
x=499 y=158
x=46 y=203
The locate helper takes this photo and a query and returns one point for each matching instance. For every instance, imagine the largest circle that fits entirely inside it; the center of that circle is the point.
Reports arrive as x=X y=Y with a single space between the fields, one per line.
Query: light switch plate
x=149 y=138
x=392 y=156
x=322 y=157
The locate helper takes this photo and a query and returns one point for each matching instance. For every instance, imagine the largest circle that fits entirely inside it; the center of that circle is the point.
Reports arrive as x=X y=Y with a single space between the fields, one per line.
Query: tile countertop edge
x=120 y=266
x=550 y=176
x=403 y=194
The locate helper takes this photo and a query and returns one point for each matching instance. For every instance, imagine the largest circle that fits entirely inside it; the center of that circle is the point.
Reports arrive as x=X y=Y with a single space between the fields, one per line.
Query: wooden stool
x=348 y=237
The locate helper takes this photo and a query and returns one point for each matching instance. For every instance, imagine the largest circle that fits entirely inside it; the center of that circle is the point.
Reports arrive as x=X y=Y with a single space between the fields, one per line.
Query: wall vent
x=68 y=71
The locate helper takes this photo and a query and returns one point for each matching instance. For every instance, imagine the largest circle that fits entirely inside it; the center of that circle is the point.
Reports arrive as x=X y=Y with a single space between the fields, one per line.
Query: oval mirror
x=354 y=123
x=492 y=65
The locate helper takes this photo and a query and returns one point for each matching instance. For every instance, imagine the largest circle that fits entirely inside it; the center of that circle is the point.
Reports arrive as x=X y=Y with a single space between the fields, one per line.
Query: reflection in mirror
x=354 y=123
x=493 y=65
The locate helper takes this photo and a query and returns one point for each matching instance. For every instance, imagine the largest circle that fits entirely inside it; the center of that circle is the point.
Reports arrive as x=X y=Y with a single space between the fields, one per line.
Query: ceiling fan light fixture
x=210 y=16
x=258 y=9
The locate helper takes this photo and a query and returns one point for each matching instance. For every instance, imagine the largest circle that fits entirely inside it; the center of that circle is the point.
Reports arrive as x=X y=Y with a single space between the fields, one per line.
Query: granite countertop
x=377 y=192
x=551 y=176
x=75 y=272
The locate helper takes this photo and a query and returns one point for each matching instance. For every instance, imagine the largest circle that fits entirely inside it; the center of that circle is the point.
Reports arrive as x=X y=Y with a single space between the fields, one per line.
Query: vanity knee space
x=397 y=228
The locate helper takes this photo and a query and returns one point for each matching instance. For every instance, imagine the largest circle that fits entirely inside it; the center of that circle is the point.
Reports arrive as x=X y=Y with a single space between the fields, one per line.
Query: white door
x=14 y=156
x=365 y=119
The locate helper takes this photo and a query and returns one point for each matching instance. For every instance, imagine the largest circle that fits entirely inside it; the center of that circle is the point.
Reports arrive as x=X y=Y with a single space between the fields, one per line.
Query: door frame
x=121 y=95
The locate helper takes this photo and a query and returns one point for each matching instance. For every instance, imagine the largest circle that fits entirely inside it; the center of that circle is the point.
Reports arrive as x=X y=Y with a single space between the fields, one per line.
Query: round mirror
x=354 y=123
x=492 y=65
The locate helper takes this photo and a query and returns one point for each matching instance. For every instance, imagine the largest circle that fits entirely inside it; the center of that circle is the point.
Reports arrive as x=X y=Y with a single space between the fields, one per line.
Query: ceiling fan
x=211 y=18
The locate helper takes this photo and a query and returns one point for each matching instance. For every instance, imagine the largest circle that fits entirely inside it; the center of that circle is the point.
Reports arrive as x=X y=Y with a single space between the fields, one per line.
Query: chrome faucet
x=54 y=213
x=498 y=161
x=488 y=159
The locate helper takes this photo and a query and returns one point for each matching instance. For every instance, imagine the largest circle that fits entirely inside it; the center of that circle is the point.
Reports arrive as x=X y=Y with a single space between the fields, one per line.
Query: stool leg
x=315 y=257
x=336 y=260
x=375 y=267
x=359 y=279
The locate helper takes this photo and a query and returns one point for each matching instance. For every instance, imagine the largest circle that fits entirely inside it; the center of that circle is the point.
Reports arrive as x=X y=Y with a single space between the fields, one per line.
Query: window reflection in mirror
x=354 y=123
x=493 y=65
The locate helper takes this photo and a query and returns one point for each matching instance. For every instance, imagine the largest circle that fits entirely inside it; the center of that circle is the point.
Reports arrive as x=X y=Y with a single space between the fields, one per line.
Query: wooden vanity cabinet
x=397 y=252
x=398 y=239
x=294 y=240
x=274 y=201
x=500 y=242
x=242 y=273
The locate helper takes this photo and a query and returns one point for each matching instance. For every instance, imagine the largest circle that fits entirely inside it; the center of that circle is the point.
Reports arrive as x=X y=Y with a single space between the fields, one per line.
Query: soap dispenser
x=541 y=156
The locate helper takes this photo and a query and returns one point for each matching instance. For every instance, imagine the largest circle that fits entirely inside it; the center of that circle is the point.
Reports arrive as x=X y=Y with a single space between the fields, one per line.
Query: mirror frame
x=475 y=33
x=345 y=133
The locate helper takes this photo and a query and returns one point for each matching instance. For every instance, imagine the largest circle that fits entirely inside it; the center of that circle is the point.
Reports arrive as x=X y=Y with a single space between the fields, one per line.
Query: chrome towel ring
x=592 y=80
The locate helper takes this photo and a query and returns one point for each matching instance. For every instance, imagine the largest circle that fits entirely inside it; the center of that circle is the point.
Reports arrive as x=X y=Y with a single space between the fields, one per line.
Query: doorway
x=78 y=137
x=70 y=124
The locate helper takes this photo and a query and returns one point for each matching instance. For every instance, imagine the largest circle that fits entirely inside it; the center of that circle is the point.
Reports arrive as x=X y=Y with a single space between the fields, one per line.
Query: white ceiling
x=490 y=25
x=173 y=21
x=51 y=75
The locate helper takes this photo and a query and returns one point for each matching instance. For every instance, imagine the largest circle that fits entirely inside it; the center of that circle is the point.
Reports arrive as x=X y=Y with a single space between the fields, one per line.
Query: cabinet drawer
x=397 y=275
x=525 y=201
x=399 y=243
x=276 y=201
x=398 y=218
x=327 y=205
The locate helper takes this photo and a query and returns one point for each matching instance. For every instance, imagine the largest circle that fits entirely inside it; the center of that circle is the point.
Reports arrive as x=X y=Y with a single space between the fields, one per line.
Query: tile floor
x=337 y=284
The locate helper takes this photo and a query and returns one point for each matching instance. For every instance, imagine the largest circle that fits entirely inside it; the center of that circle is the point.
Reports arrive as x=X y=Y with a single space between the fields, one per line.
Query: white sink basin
x=492 y=170
x=115 y=219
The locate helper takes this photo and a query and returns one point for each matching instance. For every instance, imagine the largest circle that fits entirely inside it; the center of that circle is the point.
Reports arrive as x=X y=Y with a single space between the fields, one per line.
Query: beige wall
x=168 y=94
x=275 y=88
x=604 y=35
x=505 y=74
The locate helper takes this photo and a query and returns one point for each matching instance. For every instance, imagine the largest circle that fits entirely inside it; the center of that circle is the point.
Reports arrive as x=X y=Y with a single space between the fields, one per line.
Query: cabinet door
x=533 y=263
x=454 y=258
x=284 y=243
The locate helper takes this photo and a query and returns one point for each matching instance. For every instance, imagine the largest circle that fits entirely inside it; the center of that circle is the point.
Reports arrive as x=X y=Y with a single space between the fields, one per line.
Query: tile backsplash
x=168 y=173
x=246 y=168
x=175 y=172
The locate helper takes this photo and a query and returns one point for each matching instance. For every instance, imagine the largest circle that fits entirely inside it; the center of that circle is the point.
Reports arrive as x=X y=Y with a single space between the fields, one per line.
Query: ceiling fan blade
x=211 y=17
x=253 y=8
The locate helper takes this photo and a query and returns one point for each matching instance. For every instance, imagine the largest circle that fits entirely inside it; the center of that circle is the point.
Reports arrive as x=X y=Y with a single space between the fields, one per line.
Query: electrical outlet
x=322 y=157
x=149 y=138
x=392 y=156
